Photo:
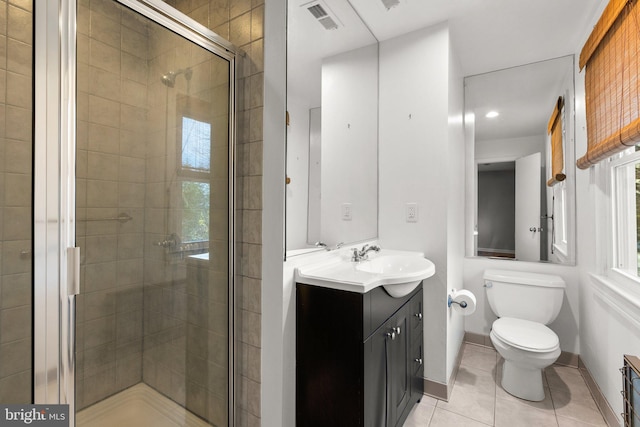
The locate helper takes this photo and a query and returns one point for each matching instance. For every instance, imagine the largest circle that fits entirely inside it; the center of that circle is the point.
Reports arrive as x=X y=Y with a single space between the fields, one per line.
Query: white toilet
x=524 y=303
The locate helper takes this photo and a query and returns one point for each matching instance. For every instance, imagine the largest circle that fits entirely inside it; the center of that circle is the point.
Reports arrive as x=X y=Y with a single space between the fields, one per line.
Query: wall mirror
x=332 y=126
x=521 y=199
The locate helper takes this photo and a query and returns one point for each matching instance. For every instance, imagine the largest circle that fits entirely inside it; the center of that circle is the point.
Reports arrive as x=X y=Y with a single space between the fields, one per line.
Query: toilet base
x=522 y=382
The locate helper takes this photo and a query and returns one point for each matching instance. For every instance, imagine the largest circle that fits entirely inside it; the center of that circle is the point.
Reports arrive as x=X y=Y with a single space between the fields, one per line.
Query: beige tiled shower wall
x=111 y=127
x=15 y=200
x=241 y=22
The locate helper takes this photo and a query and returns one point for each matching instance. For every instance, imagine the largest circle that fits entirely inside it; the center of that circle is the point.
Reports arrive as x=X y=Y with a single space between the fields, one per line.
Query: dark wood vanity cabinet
x=359 y=357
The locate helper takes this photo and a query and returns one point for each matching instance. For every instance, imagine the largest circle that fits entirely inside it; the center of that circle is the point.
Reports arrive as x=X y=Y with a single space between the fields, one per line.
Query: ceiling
x=524 y=96
x=490 y=34
x=487 y=35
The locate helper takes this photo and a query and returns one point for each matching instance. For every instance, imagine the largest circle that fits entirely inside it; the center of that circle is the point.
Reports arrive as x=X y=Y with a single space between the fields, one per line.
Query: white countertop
x=339 y=272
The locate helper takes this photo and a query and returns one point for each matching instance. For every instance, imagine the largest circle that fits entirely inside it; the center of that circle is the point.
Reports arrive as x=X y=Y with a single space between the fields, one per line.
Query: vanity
x=359 y=350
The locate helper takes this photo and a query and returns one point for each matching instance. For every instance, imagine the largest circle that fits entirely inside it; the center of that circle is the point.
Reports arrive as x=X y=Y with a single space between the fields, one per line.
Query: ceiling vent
x=390 y=3
x=323 y=14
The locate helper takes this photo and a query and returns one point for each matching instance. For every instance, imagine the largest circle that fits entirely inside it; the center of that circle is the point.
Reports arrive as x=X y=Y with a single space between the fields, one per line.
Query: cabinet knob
x=396 y=330
x=391 y=334
x=418 y=315
x=419 y=360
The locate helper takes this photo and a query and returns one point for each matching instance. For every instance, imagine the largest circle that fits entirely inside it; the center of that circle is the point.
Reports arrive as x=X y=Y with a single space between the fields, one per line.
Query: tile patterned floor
x=478 y=400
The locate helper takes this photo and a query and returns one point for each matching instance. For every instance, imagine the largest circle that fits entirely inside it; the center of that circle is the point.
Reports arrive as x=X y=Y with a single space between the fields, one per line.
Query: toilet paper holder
x=450 y=301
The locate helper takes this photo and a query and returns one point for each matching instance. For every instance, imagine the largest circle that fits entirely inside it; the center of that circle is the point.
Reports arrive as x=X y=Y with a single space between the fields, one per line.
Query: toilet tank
x=530 y=296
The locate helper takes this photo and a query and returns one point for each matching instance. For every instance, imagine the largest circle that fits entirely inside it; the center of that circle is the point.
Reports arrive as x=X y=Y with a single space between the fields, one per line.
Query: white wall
x=272 y=325
x=413 y=167
x=349 y=132
x=455 y=206
x=607 y=331
x=512 y=148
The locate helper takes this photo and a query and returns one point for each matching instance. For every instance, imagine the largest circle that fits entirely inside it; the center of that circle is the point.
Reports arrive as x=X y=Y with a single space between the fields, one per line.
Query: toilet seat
x=525 y=335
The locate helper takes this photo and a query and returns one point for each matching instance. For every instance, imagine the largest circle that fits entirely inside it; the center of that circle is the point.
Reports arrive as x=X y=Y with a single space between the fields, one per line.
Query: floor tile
x=472 y=399
x=584 y=410
x=443 y=418
x=512 y=414
x=479 y=357
x=421 y=414
x=569 y=422
x=481 y=380
x=429 y=400
x=567 y=379
x=478 y=399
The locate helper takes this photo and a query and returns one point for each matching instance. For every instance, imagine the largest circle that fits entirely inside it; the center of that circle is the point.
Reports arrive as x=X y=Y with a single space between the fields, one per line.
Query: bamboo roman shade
x=611 y=82
x=557 y=152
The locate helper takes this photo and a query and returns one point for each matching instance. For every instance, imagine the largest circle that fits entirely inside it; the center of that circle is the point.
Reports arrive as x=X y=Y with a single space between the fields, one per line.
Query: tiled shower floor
x=138 y=406
x=478 y=400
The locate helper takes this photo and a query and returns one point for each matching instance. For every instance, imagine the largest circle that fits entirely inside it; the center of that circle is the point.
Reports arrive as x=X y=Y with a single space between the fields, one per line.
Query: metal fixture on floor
x=631 y=390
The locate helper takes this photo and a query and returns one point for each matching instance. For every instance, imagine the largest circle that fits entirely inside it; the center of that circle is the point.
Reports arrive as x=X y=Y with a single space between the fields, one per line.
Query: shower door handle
x=73 y=271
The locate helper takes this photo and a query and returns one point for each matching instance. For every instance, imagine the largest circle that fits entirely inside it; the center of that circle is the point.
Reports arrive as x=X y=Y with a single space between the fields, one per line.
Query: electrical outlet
x=411 y=212
x=346 y=212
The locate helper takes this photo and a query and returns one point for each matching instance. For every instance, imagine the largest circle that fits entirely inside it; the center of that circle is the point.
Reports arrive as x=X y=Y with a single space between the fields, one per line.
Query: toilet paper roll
x=463 y=301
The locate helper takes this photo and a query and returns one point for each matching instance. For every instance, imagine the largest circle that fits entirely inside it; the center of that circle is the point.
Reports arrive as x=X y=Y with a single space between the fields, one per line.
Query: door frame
x=55 y=256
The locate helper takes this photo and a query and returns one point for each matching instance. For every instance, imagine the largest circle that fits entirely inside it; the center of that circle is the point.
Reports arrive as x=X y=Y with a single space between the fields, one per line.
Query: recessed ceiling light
x=492 y=114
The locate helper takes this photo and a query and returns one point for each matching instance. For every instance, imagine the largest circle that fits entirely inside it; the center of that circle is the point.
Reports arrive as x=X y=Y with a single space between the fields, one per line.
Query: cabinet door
x=387 y=372
x=400 y=372
x=375 y=377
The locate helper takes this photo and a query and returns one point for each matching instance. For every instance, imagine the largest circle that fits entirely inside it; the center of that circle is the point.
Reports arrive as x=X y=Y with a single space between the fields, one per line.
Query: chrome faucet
x=321 y=245
x=326 y=247
x=363 y=254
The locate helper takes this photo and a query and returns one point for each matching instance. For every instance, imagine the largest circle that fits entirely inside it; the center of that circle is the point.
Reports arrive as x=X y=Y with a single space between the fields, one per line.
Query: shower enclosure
x=153 y=215
x=125 y=271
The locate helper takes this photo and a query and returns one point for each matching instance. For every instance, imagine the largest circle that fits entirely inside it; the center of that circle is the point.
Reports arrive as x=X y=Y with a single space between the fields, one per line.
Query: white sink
x=401 y=274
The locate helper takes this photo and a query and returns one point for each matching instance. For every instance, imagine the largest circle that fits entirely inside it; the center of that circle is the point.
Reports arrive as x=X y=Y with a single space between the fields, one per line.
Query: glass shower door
x=154 y=223
x=16 y=197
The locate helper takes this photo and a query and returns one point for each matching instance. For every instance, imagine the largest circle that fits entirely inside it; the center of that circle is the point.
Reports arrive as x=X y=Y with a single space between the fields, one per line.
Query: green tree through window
x=195 y=213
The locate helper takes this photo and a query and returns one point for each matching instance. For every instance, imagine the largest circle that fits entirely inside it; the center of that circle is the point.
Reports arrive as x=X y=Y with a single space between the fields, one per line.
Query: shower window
x=195 y=212
x=194 y=135
x=196 y=145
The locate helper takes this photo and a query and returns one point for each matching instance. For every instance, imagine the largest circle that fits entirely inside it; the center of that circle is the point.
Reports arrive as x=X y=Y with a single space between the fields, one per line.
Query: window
x=196 y=145
x=195 y=172
x=625 y=179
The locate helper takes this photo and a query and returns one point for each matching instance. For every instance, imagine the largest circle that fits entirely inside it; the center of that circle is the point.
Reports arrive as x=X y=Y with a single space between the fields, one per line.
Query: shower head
x=169 y=79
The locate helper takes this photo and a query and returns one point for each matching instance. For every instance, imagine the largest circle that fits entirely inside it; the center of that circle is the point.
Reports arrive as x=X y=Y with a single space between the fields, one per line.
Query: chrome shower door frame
x=55 y=256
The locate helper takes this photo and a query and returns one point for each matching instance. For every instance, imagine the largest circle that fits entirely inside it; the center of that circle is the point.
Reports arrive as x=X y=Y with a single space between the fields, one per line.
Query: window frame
x=619 y=201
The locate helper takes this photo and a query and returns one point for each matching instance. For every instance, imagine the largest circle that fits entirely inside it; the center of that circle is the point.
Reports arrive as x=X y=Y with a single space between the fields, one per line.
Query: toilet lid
x=525 y=334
